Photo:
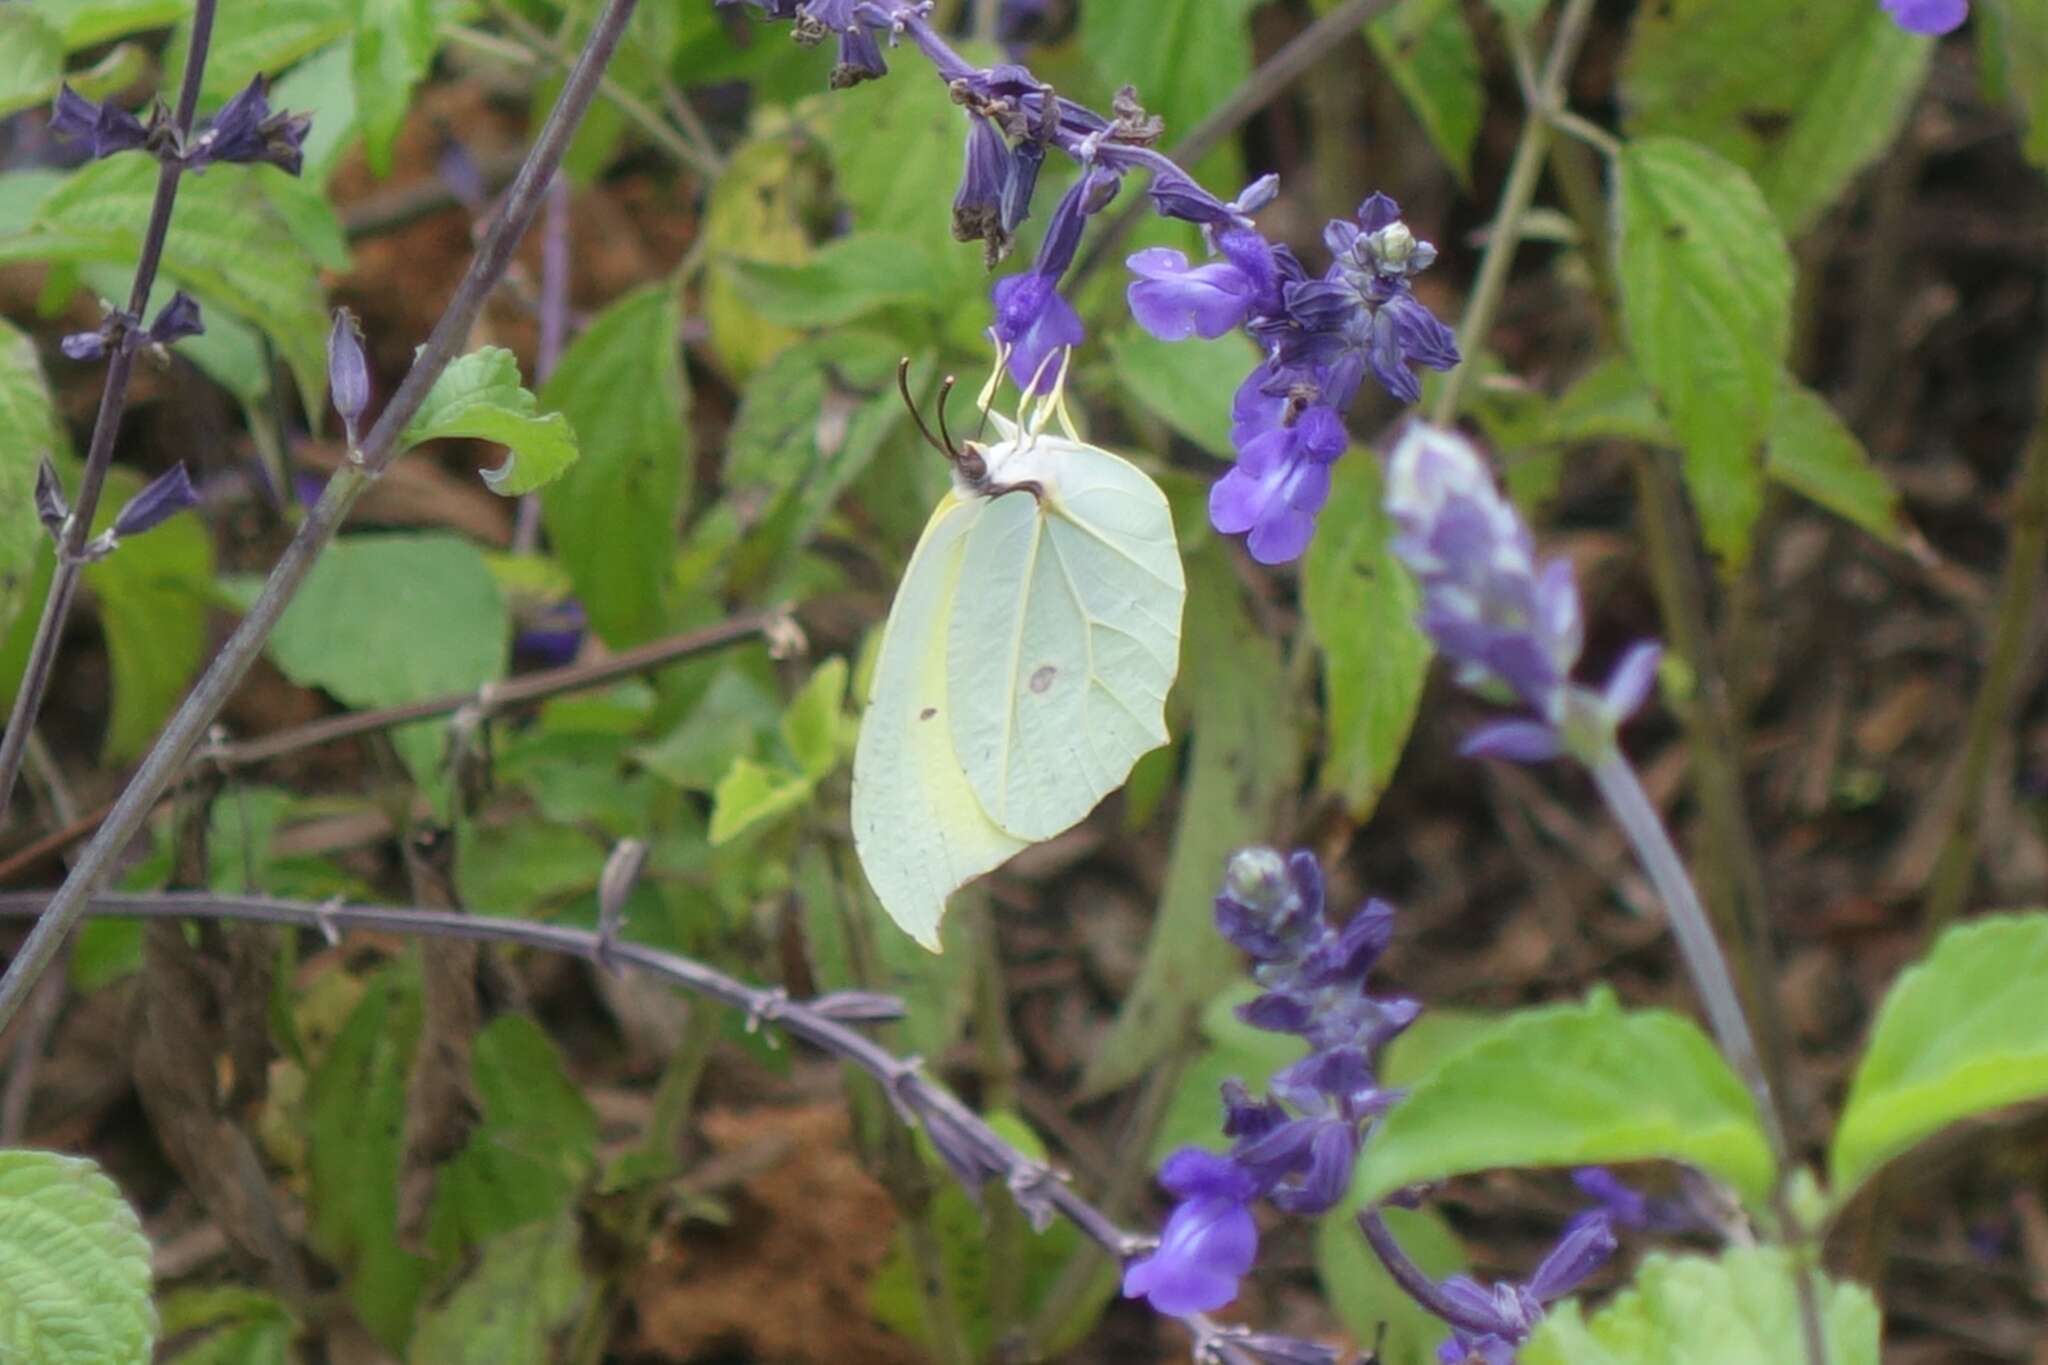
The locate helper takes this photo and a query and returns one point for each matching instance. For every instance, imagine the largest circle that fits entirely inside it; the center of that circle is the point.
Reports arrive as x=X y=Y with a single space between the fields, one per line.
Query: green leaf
x=227 y=245
x=517 y=869
x=88 y=23
x=2012 y=48
x=1366 y=1298
x=1742 y=1309
x=1802 y=97
x=845 y=280
x=152 y=599
x=1570 y=1085
x=752 y=794
x=535 y=1144
x=612 y=517
x=1427 y=48
x=1959 y=1035
x=1814 y=452
x=74 y=1265
x=355 y=1108
x=227 y=1326
x=1186 y=384
x=1707 y=309
x=28 y=432
x=812 y=420
x=1361 y=607
x=727 y=723
x=895 y=150
x=816 y=727
x=508 y=1311
x=1609 y=402
x=252 y=40
x=1241 y=759
x=1184 y=57
x=384 y=619
x=480 y=396
x=31 y=59
x=756 y=211
x=395 y=42
x=966 y=1235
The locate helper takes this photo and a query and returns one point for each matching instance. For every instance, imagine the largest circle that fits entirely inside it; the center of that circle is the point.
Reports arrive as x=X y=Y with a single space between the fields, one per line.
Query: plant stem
x=1736 y=880
x=379 y=447
x=915 y=1097
x=99 y=456
x=2019 y=602
x=1708 y=968
x=1523 y=172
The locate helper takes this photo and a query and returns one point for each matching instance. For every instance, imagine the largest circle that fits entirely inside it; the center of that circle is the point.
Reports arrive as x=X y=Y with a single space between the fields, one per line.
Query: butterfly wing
x=917 y=826
x=1064 y=638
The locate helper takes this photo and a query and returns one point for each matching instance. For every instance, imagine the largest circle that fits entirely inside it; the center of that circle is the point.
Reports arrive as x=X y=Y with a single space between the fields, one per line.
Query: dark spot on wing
x=928 y=713
x=1042 y=677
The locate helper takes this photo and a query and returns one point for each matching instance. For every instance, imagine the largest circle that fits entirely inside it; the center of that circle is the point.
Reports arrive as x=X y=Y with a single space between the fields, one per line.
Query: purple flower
x=1280 y=482
x=247 y=130
x=1174 y=301
x=1625 y=1206
x=1485 y=603
x=978 y=206
x=860 y=58
x=161 y=499
x=178 y=319
x=106 y=128
x=1209 y=1242
x=1032 y=319
x=1931 y=17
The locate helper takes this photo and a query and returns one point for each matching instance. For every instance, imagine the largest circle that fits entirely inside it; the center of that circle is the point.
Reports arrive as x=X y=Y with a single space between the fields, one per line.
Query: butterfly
x=1026 y=660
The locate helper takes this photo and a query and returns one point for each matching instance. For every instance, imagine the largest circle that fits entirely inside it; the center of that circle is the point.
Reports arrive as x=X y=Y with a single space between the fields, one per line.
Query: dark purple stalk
x=1414 y=1283
x=99 y=457
x=379 y=448
x=821 y=1023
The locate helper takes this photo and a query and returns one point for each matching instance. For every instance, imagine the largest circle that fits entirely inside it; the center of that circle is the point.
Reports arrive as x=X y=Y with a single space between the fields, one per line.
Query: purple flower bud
x=107 y=129
x=1174 y=301
x=1268 y=902
x=1279 y=484
x=161 y=499
x=1514 y=741
x=1322 y=1178
x=179 y=318
x=1628 y=687
x=1020 y=182
x=860 y=58
x=348 y=373
x=1277 y=1012
x=83 y=346
x=1931 y=17
x=1176 y=194
x=52 y=508
x=1405 y=333
x=978 y=206
x=458 y=171
x=1348 y=955
x=246 y=130
x=1586 y=1245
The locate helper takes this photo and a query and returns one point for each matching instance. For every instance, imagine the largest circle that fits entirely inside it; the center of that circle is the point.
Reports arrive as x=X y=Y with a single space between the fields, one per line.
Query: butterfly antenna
x=945 y=392
x=903 y=387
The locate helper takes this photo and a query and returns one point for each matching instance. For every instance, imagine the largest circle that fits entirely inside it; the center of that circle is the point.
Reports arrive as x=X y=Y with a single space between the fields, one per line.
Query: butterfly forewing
x=1064 y=638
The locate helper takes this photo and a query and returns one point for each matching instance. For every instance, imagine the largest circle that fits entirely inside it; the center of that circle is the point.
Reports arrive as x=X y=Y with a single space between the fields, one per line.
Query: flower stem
x=1523 y=173
x=914 y=1096
x=99 y=456
x=1708 y=968
x=379 y=447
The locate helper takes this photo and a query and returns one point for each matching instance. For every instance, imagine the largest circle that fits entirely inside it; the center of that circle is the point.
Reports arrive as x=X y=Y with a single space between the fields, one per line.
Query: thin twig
x=379 y=447
x=99 y=456
x=915 y=1097
x=1257 y=90
x=1523 y=173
